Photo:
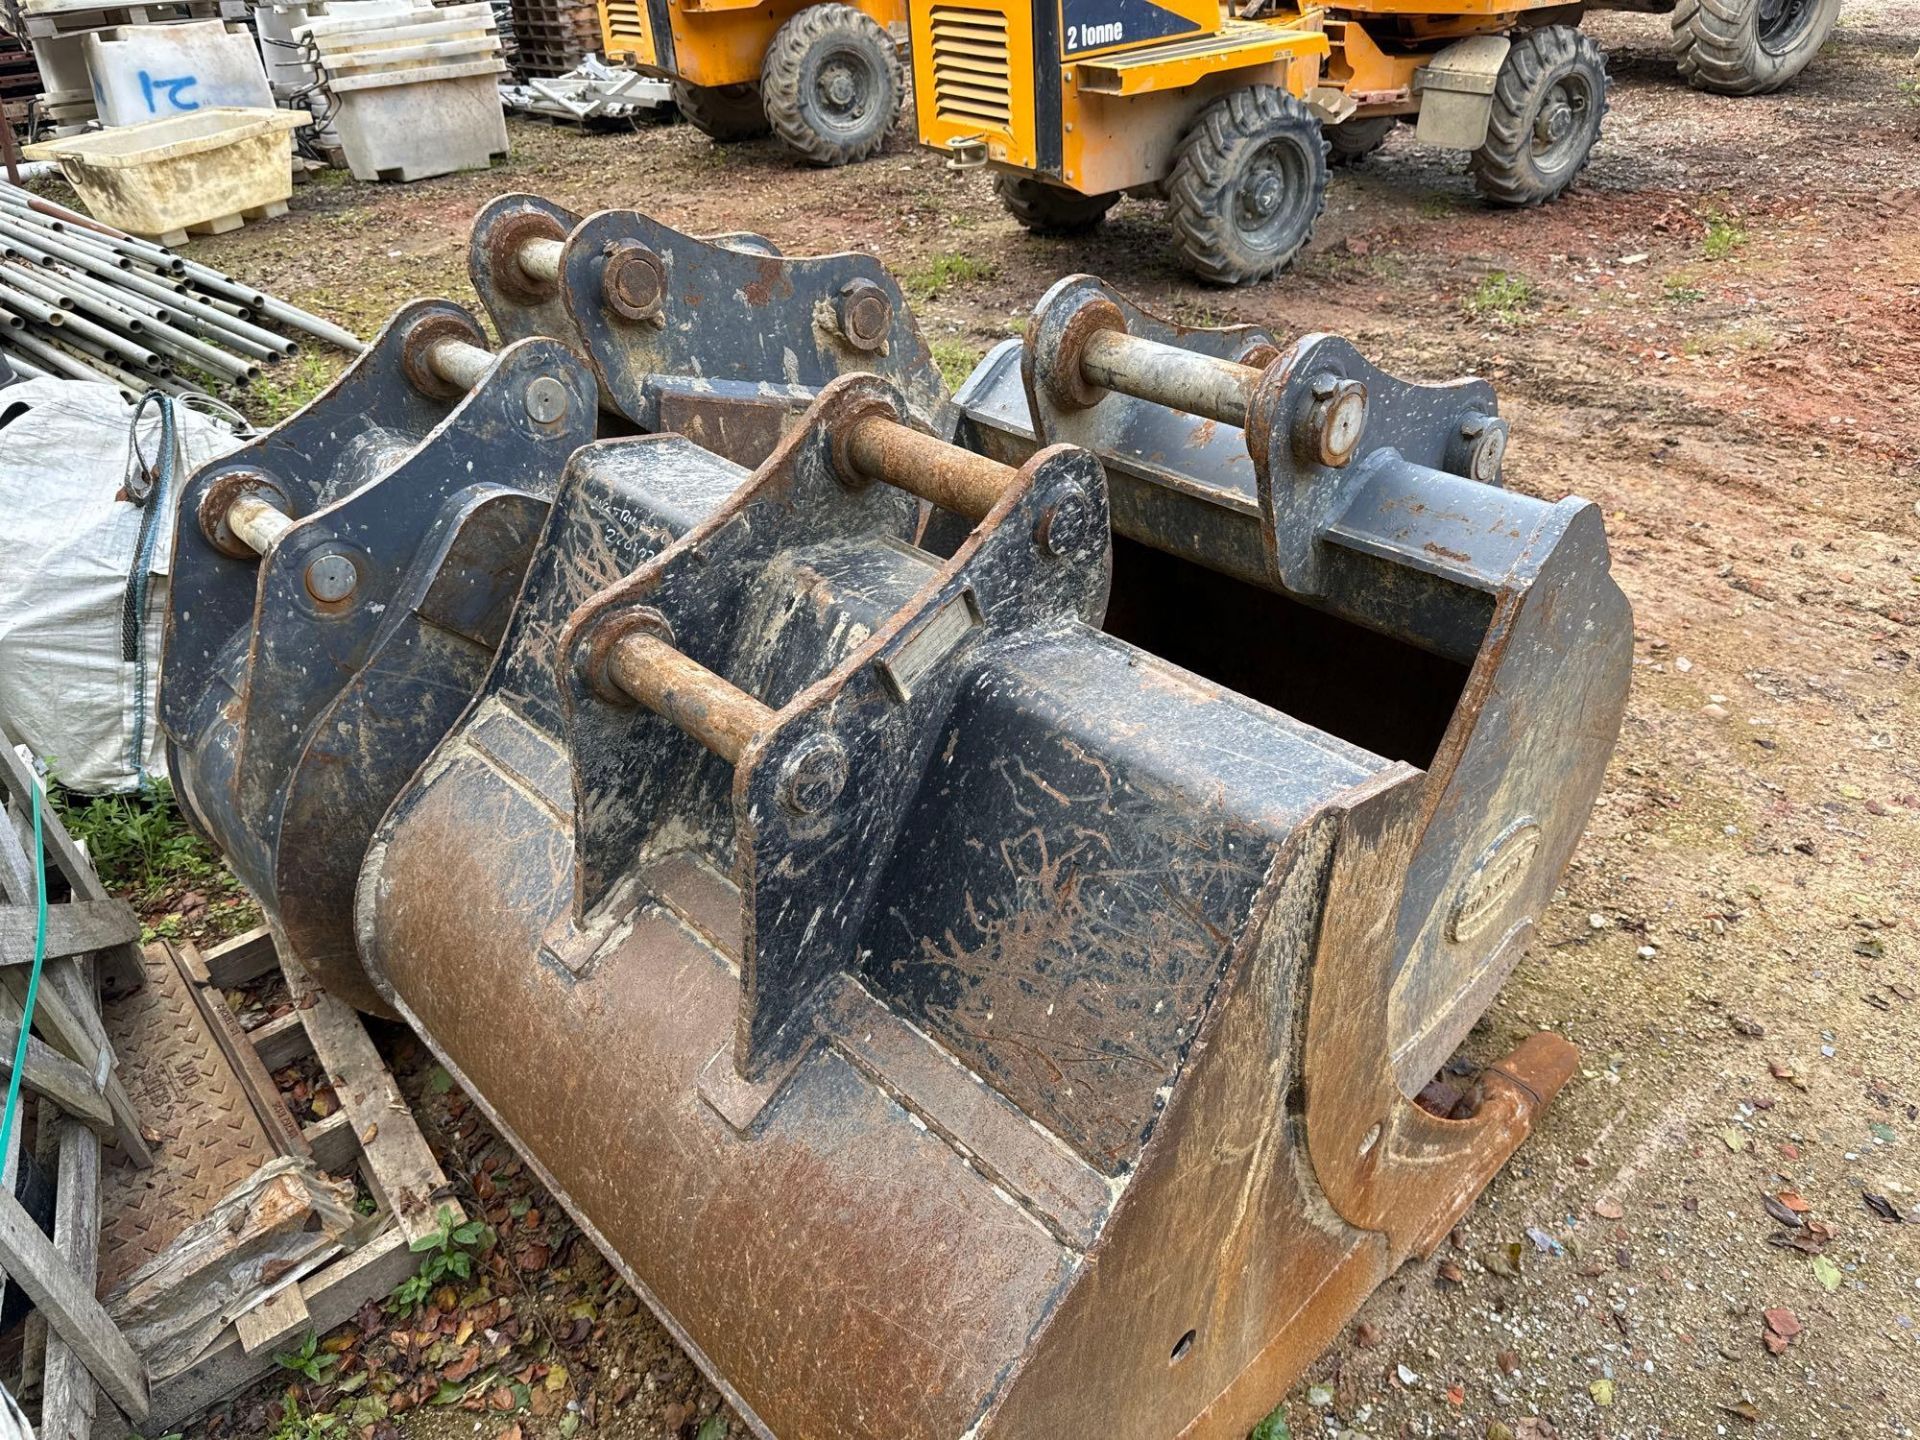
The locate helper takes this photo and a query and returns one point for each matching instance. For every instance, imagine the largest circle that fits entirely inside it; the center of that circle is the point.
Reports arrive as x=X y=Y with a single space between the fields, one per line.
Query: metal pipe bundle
x=83 y=300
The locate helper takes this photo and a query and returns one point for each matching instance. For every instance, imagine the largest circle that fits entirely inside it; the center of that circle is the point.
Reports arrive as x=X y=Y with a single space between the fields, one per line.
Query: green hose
x=33 y=979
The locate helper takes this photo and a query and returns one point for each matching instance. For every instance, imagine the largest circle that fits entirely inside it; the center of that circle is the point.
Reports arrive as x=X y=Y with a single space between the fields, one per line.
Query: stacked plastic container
x=416 y=93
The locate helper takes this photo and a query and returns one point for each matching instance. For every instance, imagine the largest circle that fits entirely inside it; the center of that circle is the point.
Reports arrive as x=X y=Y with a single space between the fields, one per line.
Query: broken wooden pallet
x=373 y=1134
x=70 y=1079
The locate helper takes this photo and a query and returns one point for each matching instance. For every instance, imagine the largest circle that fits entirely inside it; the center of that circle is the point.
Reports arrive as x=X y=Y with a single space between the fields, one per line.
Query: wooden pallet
x=72 y=1076
x=372 y=1133
x=47 y=19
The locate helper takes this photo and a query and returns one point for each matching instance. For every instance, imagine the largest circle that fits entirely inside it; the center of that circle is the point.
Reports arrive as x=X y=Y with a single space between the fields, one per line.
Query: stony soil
x=1716 y=338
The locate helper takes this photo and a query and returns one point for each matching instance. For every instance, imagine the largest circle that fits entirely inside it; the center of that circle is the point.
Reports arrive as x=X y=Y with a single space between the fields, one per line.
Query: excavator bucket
x=341 y=584
x=971 y=973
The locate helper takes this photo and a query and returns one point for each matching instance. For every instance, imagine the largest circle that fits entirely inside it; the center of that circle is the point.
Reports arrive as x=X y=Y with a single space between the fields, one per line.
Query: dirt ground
x=1717 y=338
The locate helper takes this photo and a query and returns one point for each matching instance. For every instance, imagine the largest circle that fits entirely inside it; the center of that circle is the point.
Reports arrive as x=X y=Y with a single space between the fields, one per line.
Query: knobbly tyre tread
x=1502 y=169
x=1352 y=141
x=782 y=83
x=1716 y=46
x=718 y=115
x=1204 y=165
x=1051 y=209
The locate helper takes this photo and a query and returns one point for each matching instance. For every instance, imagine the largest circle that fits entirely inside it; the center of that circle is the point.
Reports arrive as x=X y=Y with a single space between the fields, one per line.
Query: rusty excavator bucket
x=959 y=899
x=971 y=975
x=341 y=584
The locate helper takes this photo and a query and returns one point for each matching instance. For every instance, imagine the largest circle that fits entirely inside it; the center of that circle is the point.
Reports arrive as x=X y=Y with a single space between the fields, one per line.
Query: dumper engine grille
x=626 y=27
x=972 y=75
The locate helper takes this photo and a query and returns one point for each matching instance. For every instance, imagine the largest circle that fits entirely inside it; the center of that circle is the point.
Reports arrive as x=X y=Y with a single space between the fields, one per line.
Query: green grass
x=1725 y=235
x=1501 y=297
x=1680 y=290
x=282 y=389
x=956 y=359
x=140 y=844
x=144 y=852
x=945 y=271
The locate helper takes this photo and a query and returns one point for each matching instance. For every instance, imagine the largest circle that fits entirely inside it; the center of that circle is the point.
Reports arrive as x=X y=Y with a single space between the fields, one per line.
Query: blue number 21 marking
x=173 y=90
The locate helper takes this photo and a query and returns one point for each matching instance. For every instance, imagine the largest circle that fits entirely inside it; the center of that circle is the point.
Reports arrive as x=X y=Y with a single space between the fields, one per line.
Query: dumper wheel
x=1248 y=182
x=1547 y=106
x=722 y=112
x=1352 y=141
x=1051 y=209
x=833 y=84
x=1748 y=47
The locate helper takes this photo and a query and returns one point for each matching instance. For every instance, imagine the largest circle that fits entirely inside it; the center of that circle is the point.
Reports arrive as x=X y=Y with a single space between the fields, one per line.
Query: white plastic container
x=281 y=23
x=203 y=173
x=412 y=124
x=417 y=94
x=157 y=72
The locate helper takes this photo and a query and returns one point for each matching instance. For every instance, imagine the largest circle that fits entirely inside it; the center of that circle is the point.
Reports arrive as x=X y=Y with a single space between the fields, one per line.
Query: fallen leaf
x=1448 y=1273
x=1781 y=1212
x=1366 y=1334
x=1319 y=1396
x=533 y=1257
x=512 y=1432
x=1826 y=1272
x=1602 y=1392
x=714 y=1427
x=1782 y=1322
x=1608 y=1209
x=1505 y=1260
x=464 y=1367
x=1745 y=1410
x=366 y=1135
x=556 y=1378
x=1734 y=1139
x=1794 y=1202
x=1509 y=1362
x=1883 y=1207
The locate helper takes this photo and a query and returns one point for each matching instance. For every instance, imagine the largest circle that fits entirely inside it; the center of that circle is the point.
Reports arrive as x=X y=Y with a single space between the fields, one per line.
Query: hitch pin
x=258 y=522
x=647 y=667
x=1166 y=375
x=539 y=259
x=1328 y=433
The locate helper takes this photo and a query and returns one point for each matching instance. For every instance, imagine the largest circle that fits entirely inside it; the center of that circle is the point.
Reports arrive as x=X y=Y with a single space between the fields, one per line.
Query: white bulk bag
x=68 y=536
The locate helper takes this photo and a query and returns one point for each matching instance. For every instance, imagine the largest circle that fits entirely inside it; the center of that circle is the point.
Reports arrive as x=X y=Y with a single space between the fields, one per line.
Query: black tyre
x=1748 y=47
x=833 y=84
x=1051 y=209
x=1352 y=141
x=1547 y=106
x=1248 y=182
x=722 y=112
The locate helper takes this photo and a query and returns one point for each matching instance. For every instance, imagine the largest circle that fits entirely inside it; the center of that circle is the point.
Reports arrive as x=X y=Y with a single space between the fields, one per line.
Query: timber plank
x=32 y=1263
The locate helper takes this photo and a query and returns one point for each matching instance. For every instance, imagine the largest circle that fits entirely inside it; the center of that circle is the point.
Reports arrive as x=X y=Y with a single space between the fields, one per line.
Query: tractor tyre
x=1249 y=181
x=722 y=112
x=1352 y=141
x=1748 y=47
x=1548 y=101
x=833 y=84
x=1051 y=209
